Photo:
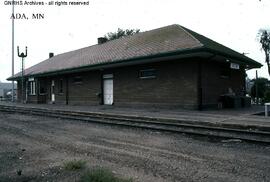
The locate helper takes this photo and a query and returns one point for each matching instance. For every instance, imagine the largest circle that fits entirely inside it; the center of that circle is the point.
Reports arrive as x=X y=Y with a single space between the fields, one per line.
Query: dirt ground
x=39 y=146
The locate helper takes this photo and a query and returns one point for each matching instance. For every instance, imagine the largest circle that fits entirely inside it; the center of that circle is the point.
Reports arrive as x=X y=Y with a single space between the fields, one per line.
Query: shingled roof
x=173 y=39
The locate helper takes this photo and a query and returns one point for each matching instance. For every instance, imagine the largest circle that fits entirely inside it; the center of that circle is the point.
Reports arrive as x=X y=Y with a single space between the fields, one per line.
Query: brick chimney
x=51 y=54
x=102 y=40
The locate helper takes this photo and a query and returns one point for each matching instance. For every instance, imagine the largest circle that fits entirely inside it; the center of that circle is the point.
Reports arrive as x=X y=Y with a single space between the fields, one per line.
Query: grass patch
x=101 y=175
x=74 y=165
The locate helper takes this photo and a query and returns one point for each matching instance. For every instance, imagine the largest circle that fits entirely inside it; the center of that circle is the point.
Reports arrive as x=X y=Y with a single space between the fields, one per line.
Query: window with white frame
x=32 y=87
x=147 y=74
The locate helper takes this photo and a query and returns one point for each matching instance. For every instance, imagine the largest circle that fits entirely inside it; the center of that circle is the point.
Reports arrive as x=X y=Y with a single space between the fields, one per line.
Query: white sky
x=233 y=23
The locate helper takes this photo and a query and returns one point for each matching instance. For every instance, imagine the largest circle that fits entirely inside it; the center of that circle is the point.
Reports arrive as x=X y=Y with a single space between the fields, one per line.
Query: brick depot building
x=170 y=66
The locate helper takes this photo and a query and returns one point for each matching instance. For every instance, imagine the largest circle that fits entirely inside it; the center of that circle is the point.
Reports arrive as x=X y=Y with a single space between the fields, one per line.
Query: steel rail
x=176 y=126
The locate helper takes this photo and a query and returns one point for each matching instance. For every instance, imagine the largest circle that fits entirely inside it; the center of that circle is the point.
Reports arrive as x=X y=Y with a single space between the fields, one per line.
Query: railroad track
x=249 y=133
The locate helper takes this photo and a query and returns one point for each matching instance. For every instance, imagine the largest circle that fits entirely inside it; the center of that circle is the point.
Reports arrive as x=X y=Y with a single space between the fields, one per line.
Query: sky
x=233 y=23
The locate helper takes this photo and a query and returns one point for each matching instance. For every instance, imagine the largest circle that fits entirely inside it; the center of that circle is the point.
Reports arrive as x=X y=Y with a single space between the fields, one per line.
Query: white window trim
x=32 y=88
x=147 y=77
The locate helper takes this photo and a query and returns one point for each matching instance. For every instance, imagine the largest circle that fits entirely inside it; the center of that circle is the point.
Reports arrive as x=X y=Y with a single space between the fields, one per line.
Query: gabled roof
x=220 y=49
x=173 y=39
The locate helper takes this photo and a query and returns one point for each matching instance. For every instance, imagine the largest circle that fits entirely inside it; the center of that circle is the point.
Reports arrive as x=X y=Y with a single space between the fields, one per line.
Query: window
x=77 y=79
x=147 y=74
x=32 y=87
x=61 y=86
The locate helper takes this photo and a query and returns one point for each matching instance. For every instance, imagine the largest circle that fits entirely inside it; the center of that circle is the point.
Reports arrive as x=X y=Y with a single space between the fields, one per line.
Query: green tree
x=265 y=45
x=261 y=84
x=121 y=33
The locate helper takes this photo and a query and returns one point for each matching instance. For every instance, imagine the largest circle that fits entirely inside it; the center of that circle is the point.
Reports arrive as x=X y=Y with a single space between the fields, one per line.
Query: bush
x=74 y=165
x=101 y=175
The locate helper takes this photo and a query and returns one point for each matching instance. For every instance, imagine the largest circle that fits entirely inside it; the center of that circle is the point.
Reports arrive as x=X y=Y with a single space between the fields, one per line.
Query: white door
x=108 y=89
x=52 y=92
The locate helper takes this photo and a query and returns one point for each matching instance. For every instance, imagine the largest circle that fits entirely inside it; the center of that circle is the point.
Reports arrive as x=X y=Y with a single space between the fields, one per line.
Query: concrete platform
x=232 y=118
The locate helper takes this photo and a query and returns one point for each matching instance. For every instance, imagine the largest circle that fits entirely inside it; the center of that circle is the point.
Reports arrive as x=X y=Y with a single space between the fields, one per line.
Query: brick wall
x=76 y=93
x=214 y=83
x=175 y=85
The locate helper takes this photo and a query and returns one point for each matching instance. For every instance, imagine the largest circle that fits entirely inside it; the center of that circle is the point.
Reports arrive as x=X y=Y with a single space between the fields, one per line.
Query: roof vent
x=102 y=40
x=51 y=54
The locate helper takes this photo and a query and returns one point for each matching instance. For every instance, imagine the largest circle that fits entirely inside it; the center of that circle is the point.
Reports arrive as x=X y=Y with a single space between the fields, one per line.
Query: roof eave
x=239 y=59
x=143 y=59
x=139 y=60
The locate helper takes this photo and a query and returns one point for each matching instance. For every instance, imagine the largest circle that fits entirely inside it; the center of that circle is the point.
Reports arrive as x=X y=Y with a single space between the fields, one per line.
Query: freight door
x=108 y=89
x=52 y=92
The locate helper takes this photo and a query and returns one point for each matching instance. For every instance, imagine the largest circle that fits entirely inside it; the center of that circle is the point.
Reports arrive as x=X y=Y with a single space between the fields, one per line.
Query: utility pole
x=22 y=55
x=12 y=51
x=256 y=86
